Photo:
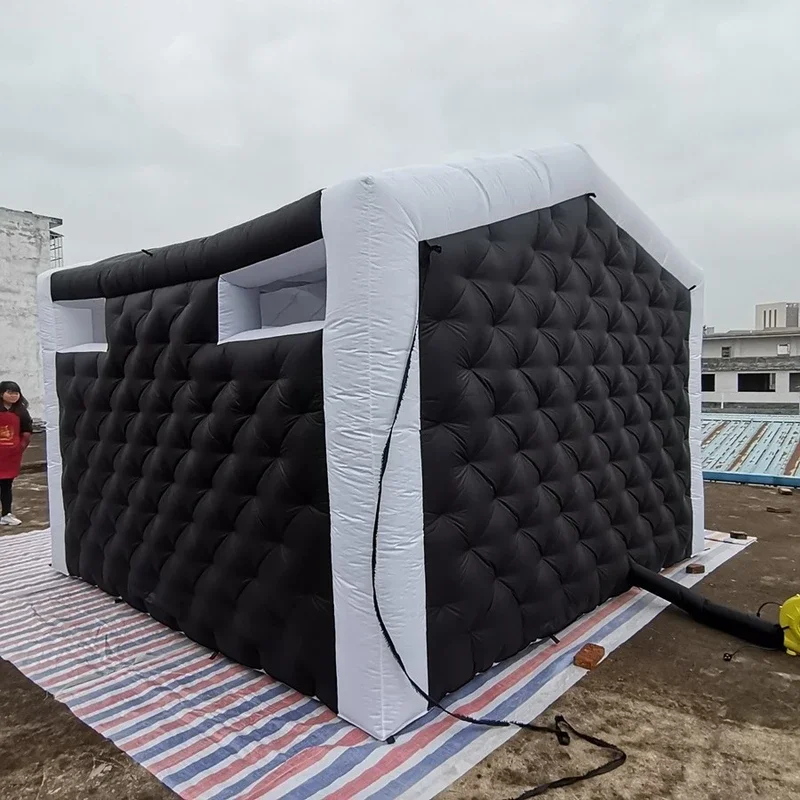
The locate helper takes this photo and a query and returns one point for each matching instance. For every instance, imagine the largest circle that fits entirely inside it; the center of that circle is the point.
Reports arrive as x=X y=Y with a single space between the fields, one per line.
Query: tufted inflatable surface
x=194 y=481
x=554 y=366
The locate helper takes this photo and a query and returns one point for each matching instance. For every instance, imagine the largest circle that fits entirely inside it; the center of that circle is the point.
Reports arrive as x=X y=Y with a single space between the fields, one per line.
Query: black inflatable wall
x=555 y=413
x=194 y=474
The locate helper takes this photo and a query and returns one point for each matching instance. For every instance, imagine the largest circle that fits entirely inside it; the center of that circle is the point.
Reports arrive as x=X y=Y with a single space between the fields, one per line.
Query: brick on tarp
x=589 y=656
x=695 y=569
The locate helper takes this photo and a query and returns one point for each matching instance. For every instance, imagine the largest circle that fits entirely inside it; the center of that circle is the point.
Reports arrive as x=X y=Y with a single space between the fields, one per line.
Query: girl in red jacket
x=15 y=435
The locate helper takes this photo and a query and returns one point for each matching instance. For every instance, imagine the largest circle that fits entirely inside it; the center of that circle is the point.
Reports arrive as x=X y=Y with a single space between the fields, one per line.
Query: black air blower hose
x=748 y=627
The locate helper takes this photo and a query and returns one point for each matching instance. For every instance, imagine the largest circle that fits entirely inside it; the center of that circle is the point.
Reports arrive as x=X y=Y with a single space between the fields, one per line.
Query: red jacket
x=15 y=432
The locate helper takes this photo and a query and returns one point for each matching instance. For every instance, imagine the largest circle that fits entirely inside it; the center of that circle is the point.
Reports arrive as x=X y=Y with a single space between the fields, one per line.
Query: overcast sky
x=144 y=123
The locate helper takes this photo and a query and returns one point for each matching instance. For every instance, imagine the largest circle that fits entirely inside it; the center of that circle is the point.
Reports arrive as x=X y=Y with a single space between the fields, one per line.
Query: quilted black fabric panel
x=555 y=413
x=195 y=482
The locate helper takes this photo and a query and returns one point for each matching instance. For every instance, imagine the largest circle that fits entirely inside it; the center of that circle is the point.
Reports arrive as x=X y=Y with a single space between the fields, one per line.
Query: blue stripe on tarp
x=70 y=648
x=171 y=744
x=166 y=692
x=248 y=703
x=752 y=477
x=48 y=626
x=318 y=735
x=99 y=691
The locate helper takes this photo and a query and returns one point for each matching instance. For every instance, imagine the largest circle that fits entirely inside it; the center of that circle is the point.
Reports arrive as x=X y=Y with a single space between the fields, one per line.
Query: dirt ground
x=693 y=725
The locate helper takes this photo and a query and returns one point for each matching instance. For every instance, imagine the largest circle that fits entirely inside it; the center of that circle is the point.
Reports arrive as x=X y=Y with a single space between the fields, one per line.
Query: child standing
x=15 y=436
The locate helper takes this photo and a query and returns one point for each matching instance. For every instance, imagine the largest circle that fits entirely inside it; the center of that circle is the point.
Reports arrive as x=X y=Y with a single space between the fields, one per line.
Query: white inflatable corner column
x=372 y=257
x=64 y=327
x=48 y=343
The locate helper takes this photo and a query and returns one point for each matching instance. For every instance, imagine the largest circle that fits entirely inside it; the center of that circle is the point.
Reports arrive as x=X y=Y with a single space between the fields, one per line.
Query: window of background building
x=726 y=351
x=794 y=381
x=783 y=349
x=756 y=382
x=708 y=382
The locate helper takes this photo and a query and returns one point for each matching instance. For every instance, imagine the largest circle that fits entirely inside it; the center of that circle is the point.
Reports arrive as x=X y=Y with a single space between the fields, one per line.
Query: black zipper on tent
x=561 y=729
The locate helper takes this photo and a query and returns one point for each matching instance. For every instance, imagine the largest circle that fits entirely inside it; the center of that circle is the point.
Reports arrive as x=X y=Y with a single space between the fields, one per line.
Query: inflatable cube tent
x=218 y=410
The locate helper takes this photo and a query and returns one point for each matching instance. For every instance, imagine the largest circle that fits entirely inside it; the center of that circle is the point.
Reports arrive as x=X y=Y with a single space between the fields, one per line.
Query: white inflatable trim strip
x=275 y=297
x=63 y=327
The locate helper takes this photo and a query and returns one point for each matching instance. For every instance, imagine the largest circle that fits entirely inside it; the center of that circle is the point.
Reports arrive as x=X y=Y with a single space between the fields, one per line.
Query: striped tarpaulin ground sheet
x=212 y=729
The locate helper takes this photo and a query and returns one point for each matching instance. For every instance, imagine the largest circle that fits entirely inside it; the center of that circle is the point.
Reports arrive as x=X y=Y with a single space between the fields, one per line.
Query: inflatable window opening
x=217 y=411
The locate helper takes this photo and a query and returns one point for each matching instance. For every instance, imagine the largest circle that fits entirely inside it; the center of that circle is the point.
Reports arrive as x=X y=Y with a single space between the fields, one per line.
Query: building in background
x=770 y=316
x=755 y=370
x=29 y=245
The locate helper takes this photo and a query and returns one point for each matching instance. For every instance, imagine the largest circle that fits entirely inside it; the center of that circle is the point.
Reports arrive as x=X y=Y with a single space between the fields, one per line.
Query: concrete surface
x=695 y=727
x=24 y=254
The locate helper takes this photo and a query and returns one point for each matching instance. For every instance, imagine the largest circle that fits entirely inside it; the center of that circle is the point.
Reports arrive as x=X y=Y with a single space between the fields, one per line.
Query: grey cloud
x=146 y=123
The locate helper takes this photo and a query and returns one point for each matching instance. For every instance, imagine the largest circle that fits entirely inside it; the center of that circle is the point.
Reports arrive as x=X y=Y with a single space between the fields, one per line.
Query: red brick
x=589 y=656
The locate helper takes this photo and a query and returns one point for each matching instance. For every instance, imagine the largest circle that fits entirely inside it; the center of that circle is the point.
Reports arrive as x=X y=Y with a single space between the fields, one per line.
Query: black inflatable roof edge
x=279 y=231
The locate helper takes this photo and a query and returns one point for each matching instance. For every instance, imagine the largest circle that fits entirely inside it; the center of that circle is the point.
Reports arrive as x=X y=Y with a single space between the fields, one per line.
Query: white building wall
x=24 y=254
x=753 y=398
x=771 y=315
x=725 y=383
x=781 y=383
x=752 y=347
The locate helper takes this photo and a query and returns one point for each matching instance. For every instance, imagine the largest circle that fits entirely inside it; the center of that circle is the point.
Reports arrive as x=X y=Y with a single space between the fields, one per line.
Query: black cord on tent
x=561 y=729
